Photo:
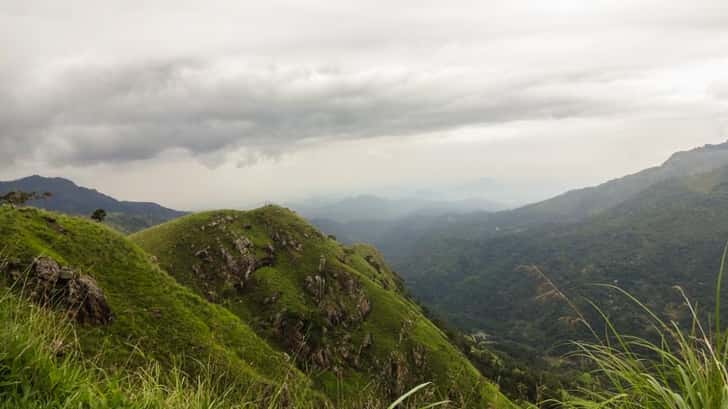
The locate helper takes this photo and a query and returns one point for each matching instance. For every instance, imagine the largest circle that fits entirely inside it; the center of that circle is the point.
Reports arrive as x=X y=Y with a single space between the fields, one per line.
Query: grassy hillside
x=339 y=311
x=670 y=234
x=155 y=319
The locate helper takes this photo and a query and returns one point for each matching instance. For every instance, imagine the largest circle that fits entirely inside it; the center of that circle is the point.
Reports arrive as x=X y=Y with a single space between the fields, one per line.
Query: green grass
x=41 y=367
x=685 y=368
x=34 y=374
x=155 y=317
x=172 y=344
x=175 y=244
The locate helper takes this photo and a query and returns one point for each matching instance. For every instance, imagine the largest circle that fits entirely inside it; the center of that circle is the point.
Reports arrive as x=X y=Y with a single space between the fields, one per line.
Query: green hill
x=338 y=310
x=153 y=318
x=337 y=331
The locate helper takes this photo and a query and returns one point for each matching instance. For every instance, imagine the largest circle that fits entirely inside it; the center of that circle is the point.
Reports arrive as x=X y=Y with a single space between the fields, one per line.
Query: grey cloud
x=261 y=80
x=94 y=114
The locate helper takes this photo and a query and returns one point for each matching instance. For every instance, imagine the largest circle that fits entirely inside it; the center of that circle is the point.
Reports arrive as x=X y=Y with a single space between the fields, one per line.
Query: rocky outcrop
x=49 y=284
x=286 y=240
x=373 y=262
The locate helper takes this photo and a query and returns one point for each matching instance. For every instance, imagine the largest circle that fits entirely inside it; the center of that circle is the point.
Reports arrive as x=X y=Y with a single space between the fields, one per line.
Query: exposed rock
x=404 y=330
x=367 y=342
x=334 y=316
x=418 y=356
x=243 y=244
x=320 y=358
x=239 y=268
x=197 y=269
x=373 y=262
x=348 y=284
x=322 y=263
x=398 y=372
x=364 y=306
x=316 y=286
x=272 y=299
x=79 y=294
x=203 y=254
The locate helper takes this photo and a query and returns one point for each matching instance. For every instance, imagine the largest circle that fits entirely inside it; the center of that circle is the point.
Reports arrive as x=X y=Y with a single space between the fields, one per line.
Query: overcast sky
x=227 y=104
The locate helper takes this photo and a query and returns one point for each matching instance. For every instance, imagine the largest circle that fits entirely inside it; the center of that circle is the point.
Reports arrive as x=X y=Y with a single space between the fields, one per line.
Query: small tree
x=99 y=215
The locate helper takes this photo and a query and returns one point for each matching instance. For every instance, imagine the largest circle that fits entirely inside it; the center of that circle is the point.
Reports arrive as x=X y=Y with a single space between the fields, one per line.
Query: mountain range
x=518 y=275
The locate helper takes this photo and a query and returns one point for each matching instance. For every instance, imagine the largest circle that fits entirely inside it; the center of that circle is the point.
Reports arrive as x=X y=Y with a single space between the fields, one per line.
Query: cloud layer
x=234 y=84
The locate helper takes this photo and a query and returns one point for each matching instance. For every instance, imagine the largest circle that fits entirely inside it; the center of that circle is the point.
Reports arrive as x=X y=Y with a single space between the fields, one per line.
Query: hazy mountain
x=375 y=208
x=67 y=197
x=647 y=232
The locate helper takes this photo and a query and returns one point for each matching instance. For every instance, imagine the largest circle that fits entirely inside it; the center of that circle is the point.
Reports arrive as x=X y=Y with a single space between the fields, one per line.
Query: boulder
x=79 y=294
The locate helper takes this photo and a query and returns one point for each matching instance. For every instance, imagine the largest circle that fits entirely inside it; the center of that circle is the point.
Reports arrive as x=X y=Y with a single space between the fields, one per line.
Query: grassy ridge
x=183 y=342
x=406 y=348
x=156 y=319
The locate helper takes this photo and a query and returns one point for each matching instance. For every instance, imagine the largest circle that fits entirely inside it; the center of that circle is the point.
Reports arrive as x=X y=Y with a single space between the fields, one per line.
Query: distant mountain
x=577 y=205
x=67 y=197
x=646 y=232
x=375 y=208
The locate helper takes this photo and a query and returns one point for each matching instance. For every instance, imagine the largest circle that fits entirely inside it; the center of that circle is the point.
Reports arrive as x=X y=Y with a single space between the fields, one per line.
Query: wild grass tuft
x=40 y=367
x=681 y=368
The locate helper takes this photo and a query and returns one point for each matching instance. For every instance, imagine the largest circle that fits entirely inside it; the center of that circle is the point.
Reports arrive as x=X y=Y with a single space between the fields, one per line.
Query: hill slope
x=670 y=234
x=67 y=197
x=338 y=310
x=148 y=316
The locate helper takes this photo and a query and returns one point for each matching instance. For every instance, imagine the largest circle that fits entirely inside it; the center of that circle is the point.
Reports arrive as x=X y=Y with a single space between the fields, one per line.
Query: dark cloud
x=96 y=114
x=79 y=87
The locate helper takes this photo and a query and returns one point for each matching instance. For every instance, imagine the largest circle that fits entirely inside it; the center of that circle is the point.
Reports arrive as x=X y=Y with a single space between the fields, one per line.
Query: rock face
x=49 y=284
x=233 y=260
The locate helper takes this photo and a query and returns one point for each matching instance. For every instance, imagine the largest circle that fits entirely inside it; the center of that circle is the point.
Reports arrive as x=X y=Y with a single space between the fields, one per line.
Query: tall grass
x=681 y=368
x=41 y=368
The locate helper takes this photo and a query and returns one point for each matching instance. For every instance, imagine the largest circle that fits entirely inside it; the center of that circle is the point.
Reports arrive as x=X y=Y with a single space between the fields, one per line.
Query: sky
x=234 y=103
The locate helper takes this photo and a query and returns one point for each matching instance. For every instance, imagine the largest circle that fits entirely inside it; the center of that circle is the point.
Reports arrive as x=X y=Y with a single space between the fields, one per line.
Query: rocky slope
x=130 y=312
x=262 y=297
x=339 y=312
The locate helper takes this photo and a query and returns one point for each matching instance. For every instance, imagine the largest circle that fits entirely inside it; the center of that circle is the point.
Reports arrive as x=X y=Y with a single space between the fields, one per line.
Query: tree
x=19 y=198
x=99 y=215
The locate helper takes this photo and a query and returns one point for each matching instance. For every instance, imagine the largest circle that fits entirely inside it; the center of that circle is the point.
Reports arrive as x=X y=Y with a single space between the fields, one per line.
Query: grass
x=175 y=244
x=684 y=368
x=170 y=347
x=156 y=319
x=41 y=367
